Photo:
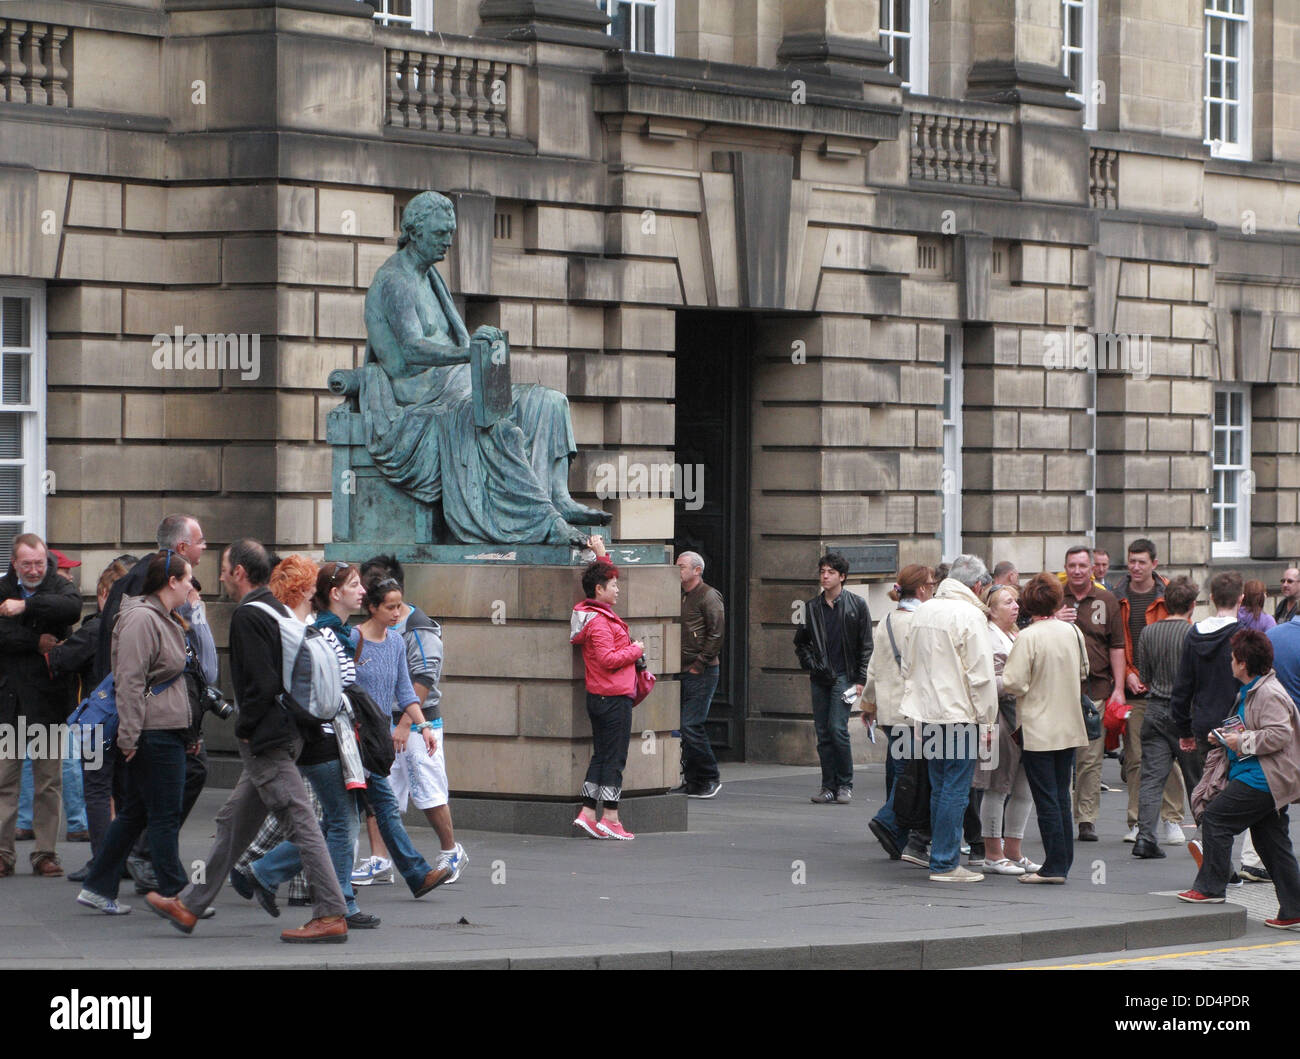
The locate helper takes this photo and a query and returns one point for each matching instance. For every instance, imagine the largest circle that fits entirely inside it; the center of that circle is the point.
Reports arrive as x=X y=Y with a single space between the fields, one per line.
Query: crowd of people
x=338 y=720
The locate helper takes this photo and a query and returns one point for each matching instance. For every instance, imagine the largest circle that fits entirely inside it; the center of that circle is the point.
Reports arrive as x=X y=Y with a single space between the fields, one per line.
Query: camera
x=214 y=702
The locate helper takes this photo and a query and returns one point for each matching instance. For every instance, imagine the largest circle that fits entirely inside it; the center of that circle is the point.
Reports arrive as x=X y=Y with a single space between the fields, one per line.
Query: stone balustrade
x=457 y=94
x=32 y=64
x=956 y=149
x=1103 y=178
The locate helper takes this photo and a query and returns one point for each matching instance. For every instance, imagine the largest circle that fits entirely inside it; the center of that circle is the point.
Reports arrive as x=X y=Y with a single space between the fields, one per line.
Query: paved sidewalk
x=763 y=878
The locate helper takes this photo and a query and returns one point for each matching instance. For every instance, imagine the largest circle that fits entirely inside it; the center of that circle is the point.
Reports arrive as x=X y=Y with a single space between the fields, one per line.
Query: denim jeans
x=1237 y=808
x=899 y=738
x=74 y=805
x=699 y=766
x=340 y=826
x=155 y=781
x=950 y=780
x=1048 y=772
x=831 y=721
x=102 y=786
x=406 y=858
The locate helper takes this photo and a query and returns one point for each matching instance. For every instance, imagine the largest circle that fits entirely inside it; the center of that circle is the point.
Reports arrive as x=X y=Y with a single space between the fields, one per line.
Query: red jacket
x=607 y=650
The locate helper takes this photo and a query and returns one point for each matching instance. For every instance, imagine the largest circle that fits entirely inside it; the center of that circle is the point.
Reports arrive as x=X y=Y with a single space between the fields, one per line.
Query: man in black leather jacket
x=834 y=645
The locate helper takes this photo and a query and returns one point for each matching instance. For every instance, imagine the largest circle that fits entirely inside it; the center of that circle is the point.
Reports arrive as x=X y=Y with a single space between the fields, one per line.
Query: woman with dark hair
x=1251 y=613
x=1044 y=671
x=153 y=710
x=1251 y=776
x=610 y=657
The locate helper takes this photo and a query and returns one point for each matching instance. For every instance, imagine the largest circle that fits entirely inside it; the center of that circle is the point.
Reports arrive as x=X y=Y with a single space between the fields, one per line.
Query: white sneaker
x=957 y=875
x=107 y=905
x=1132 y=835
x=383 y=872
x=1003 y=867
x=454 y=861
x=1171 y=833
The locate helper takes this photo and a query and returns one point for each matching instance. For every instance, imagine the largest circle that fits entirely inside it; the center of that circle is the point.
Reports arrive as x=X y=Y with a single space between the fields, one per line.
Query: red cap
x=64 y=562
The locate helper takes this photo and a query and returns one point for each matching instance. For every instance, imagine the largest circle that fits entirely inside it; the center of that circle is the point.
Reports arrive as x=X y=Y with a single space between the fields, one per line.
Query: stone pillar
x=1019 y=42
x=574 y=22
x=839 y=38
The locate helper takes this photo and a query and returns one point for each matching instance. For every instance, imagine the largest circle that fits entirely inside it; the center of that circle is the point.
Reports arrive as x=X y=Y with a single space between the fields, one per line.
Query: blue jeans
x=898 y=734
x=340 y=826
x=1048 y=773
x=406 y=858
x=155 y=786
x=950 y=780
x=831 y=721
x=74 y=805
x=699 y=766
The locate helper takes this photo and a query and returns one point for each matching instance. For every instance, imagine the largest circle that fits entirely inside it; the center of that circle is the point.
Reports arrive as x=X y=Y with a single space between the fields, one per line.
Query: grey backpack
x=313 y=682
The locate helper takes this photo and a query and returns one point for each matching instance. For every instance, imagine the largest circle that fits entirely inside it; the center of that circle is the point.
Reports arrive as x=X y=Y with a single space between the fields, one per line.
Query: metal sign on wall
x=878 y=557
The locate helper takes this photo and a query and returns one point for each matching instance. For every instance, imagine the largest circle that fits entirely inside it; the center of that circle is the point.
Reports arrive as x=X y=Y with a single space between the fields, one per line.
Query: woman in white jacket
x=883 y=693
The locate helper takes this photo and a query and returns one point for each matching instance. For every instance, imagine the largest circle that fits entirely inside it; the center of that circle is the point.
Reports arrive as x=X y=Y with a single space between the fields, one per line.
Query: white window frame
x=33 y=412
x=917 y=80
x=421 y=17
x=1214 y=11
x=951 y=480
x=1239 y=545
x=665 y=24
x=1086 y=49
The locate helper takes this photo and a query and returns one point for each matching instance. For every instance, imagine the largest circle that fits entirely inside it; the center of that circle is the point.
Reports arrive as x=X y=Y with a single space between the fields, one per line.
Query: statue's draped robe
x=492 y=482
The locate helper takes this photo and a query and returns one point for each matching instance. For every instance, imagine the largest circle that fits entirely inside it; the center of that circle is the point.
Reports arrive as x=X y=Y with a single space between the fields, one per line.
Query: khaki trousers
x=47 y=805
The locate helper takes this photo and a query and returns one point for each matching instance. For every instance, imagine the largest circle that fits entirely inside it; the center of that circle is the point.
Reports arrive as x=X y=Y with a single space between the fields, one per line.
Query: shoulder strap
x=898 y=658
x=1084 y=668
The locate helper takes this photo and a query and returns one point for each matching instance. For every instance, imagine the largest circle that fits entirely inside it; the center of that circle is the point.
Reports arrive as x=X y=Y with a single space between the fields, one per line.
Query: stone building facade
x=984 y=275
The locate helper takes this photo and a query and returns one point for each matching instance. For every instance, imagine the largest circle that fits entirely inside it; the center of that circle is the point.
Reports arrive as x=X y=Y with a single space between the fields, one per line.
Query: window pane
x=1229 y=524
x=11 y=490
x=11 y=436
x=903 y=59
x=902 y=16
x=1220 y=448
x=1230 y=132
x=1230 y=81
x=1074 y=70
x=14 y=382
x=1234 y=449
x=1236 y=408
x=1216 y=79
x=1231 y=39
x=1220 y=408
x=15 y=322
x=621 y=26
x=8 y=531
x=1075 y=27
x=645 y=28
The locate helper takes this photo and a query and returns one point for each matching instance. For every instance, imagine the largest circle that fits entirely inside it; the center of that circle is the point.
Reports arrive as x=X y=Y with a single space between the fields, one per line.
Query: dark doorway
x=712 y=432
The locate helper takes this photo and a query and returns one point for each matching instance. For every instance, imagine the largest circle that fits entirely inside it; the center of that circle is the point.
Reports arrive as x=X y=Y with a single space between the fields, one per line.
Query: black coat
x=256 y=668
x=810 y=639
x=26 y=686
x=75 y=656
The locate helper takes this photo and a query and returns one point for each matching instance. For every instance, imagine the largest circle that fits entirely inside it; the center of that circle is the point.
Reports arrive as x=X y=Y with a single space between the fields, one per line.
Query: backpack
x=313 y=685
x=99 y=708
x=375 y=739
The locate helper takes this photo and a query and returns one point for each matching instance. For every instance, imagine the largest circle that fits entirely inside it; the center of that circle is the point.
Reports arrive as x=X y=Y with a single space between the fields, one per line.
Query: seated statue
x=502 y=484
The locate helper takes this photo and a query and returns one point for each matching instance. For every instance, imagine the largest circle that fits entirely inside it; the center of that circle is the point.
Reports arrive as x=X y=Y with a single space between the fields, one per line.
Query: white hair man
x=950 y=689
x=703 y=623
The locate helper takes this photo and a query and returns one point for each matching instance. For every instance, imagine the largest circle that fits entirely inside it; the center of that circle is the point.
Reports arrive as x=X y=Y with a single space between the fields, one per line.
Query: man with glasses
x=34 y=600
x=1289 y=605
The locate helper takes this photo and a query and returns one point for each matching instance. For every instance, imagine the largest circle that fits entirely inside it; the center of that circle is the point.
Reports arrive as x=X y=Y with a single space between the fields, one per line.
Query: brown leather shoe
x=328 y=928
x=435 y=878
x=171 y=909
x=47 y=865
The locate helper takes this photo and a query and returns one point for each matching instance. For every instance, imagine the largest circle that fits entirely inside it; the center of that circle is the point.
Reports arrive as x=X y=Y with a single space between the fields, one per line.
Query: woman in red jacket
x=610 y=656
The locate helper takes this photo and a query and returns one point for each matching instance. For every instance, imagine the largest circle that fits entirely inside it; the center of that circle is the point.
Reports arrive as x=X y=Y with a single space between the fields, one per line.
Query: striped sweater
x=1158 y=652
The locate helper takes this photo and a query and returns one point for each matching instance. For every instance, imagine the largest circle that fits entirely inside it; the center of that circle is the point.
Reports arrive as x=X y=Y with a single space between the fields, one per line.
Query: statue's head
x=429 y=221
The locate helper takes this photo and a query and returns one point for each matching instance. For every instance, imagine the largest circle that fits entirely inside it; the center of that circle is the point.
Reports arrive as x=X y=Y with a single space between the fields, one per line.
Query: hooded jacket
x=1205 y=688
x=1155 y=612
x=608 y=652
x=26 y=686
x=423 y=638
x=148 y=650
x=948 y=660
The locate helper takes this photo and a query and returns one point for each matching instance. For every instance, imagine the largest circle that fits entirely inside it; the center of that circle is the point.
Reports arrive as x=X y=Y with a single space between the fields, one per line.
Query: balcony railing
x=456 y=94
x=956 y=149
x=32 y=66
x=1103 y=178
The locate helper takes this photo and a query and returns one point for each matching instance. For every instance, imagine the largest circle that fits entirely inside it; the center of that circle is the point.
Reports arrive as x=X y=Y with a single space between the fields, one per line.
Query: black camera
x=214 y=702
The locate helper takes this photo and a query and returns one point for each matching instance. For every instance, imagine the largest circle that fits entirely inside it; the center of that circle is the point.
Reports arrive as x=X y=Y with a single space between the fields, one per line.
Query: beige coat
x=948 y=661
x=148 y=649
x=884 y=685
x=1042 y=672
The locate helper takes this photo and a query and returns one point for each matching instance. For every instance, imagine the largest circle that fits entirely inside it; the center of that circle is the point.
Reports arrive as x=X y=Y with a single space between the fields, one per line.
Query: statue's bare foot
x=563 y=532
x=581 y=515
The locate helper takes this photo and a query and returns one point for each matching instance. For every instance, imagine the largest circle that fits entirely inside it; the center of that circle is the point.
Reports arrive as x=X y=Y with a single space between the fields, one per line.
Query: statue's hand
x=491 y=334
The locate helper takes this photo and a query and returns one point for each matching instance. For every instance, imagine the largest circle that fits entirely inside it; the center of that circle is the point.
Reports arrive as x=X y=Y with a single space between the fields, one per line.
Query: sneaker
x=587 y=827
x=886 y=838
x=1250 y=874
x=373 y=870
x=825 y=796
x=240 y=884
x=965 y=849
x=1106 y=789
x=1003 y=867
x=681 y=788
x=384 y=873
x=957 y=875
x=107 y=905
x=454 y=862
x=1087 y=833
x=1132 y=835
x=1030 y=867
x=1171 y=833
x=844 y=795
x=1283 y=924
x=1195 y=897
x=917 y=853
x=1194 y=848
x=615 y=830
x=707 y=791
x=362 y=921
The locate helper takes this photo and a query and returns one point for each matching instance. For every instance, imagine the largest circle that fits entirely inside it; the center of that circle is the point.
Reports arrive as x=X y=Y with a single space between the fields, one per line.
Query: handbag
x=1091 y=711
x=912 y=794
x=645 y=682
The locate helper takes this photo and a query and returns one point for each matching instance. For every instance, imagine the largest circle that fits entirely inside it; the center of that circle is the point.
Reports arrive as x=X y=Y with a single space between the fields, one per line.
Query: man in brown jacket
x=703 y=622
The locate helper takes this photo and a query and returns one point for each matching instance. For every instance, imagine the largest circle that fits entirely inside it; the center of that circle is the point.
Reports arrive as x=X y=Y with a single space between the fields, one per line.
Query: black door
x=712 y=447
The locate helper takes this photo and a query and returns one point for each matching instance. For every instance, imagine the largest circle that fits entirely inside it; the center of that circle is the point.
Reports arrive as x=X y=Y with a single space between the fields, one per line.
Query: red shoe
x=1194 y=848
x=1283 y=924
x=1197 y=898
x=615 y=830
x=590 y=827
